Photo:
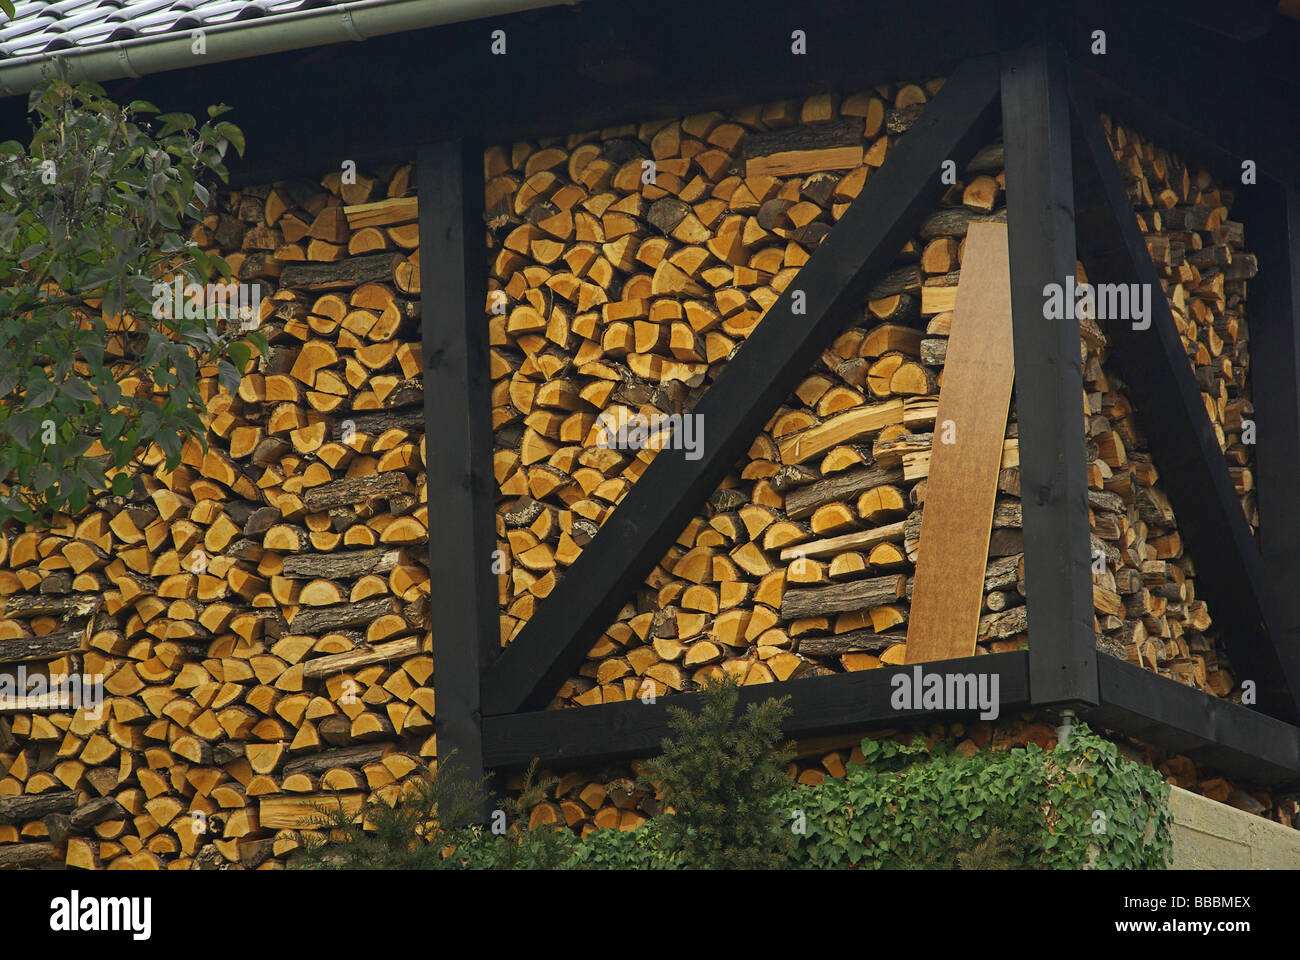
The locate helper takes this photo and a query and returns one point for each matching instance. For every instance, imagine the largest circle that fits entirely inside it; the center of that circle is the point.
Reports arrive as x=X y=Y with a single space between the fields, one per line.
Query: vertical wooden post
x=1271 y=213
x=1049 y=378
x=458 y=442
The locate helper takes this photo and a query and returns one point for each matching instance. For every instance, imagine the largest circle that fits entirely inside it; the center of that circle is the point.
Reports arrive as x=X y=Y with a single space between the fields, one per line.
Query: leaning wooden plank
x=796 y=328
x=963 y=483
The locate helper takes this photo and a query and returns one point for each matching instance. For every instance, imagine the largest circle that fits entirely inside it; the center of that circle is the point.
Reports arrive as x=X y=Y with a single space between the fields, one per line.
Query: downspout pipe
x=241 y=39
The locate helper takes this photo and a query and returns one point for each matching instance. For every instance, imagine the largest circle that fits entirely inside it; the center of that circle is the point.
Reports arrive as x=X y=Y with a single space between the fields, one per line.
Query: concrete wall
x=1209 y=835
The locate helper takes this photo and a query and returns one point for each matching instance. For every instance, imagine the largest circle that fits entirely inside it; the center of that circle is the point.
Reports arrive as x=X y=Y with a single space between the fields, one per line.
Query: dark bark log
x=342 y=493
x=24 y=807
x=810 y=136
x=345 y=757
x=340 y=275
x=804 y=501
x=324 y=619
x=48 y=647
x=842 y=597
x=345 y=565
x=34 y=605
x=20 y=856
x=856 y=641
x=96 y=811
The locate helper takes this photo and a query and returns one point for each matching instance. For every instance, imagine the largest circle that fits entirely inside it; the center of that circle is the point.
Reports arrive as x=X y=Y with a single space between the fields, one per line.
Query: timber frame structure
x=1007 y=61
x=1065 y=201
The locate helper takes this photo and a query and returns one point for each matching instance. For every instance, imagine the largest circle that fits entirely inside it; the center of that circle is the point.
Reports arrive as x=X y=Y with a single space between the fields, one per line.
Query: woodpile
x=627 y=265
x=1146 y=606
x=1203 y=264
x=802 y=561
x=1146 y=611
x=259 y=615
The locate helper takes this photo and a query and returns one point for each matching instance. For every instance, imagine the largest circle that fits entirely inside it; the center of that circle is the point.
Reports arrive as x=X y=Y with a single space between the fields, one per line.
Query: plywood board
x=962 y=487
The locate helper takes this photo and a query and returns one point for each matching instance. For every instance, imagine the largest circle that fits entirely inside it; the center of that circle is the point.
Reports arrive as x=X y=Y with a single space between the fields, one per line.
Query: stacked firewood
x=259 y=615
x=1203 y=265
x=627 y=266
x=1146 y=611
x=802 y=561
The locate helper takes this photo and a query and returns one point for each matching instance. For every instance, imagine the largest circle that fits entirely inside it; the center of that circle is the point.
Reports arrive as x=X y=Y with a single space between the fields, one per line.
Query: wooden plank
x=458 y=441
x=1230 y=573
x=1049 y=380
x=963 y=484
x=758 y=378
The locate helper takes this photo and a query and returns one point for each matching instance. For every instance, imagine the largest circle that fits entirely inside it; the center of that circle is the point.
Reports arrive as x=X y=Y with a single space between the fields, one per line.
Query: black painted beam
x=754 y=382
x=1230 y=739
x=1049 y=378
x=458 y=441
x=820 y=706
x=1271 y=213
x=1154 y=74
x=1230 y=574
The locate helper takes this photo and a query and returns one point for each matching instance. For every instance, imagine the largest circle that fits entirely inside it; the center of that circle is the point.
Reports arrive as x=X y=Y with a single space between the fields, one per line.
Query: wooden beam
x=1219 y=116
x=1271 y=212
x=1230 y=574
x=1230 y=739
x=944 y=618
x=1049 y=379
x=821 y=706
x=458 y=441
x=764 y=371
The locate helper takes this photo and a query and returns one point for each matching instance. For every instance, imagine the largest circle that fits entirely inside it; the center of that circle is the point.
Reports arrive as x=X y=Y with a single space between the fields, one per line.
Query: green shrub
x=721 y=775
x=906 y=807
x=909 y=807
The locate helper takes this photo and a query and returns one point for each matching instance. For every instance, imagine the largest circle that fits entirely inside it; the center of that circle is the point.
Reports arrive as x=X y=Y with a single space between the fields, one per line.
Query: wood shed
x=612 y=350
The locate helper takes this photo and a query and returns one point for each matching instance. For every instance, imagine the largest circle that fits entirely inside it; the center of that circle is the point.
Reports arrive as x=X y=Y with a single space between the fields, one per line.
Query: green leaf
x=233 y=134
x=228 y=376
x=121 y=484
x=8 y=7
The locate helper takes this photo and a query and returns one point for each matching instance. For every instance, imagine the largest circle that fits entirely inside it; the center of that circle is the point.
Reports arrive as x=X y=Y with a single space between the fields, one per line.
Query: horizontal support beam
x=821 y=706
x=762 y=374
x=1228 y=738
